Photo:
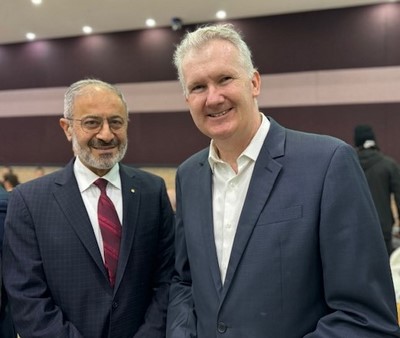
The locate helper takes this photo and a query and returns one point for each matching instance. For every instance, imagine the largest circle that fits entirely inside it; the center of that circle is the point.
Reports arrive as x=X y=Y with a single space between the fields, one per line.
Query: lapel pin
x=132 y=191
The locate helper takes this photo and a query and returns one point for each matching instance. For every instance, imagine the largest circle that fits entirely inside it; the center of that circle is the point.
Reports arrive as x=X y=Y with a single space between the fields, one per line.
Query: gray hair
x=81 y=87
x=204 y=34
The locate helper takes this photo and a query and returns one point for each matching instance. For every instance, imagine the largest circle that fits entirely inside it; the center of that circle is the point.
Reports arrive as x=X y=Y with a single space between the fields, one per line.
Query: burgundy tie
x=110 y=227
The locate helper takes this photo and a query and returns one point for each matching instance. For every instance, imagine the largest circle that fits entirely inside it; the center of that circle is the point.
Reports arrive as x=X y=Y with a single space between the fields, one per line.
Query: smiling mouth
x=105 y=147
x=222 y=113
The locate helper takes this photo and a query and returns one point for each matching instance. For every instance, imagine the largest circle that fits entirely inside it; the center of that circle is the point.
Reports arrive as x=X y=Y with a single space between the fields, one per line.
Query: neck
x=230 y=149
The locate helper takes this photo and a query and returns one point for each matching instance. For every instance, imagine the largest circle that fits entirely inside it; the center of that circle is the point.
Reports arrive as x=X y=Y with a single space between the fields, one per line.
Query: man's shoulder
x=195 y=160
x=200 y=156
x=389 y=159
x=299 y=144
x=3 y=200
x=3 y=195
x=39 y=185
x=303 y=140
x=141 y=174
x=314 y=138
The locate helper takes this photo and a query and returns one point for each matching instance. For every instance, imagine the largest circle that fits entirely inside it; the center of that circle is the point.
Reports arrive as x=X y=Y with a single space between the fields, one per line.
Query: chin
x=220 y=134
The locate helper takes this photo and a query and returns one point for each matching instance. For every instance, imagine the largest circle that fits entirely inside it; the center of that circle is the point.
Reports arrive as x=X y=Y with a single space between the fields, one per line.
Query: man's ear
x=256 y=83
x=66 y=126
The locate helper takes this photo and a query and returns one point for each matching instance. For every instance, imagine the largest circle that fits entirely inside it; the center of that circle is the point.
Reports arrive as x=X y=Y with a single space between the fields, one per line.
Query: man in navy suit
x=277 y=235
x=54 y=269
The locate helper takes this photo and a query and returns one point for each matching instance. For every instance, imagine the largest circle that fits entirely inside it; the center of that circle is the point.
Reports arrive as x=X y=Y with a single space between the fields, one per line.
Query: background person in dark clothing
x=10 y=181
x=383 y=176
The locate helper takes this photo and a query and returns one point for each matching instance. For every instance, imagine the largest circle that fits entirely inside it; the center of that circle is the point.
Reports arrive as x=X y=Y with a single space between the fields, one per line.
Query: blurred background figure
x=5 y=171
x=39 y=172
x=10 y=181
x=383 y=176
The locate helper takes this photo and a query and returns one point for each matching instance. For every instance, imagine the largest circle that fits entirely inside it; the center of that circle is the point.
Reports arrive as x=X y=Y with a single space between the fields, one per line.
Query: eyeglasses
x=93 y=124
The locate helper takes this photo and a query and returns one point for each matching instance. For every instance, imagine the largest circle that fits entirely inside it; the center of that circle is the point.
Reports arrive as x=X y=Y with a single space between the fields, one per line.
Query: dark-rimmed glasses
x=93 y=124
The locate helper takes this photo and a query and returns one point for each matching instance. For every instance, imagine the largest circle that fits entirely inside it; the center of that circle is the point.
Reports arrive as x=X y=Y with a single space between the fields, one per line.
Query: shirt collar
x=85 y=177
x=252 y=150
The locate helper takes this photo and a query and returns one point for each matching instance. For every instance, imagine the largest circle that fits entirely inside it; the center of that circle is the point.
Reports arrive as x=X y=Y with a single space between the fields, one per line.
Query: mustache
x=101 y=143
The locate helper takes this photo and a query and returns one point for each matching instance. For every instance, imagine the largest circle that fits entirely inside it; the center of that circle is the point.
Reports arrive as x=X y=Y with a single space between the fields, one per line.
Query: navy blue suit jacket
x=53 y=270
x=3 y=211
x=308 y=259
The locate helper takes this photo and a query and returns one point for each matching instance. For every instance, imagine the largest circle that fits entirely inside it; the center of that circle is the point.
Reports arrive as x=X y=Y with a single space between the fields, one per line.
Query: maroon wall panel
x=166 y=139
x=159 y=139
x=163 y=138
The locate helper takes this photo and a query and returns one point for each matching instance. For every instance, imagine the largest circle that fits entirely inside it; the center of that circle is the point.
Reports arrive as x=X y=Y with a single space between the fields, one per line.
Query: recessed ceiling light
x=30 y=36
x=150 y=22
x=36 y=2
x=87 y=29
x=221 y=15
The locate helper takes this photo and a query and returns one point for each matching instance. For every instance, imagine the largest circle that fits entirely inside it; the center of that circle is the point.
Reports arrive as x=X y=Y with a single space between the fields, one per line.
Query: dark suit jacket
x=308 y=259
x=6 y=323
x=53 y=270
x=3 y=211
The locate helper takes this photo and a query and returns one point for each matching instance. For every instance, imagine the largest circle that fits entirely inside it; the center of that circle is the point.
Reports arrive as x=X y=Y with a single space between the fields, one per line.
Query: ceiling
x=65 y=18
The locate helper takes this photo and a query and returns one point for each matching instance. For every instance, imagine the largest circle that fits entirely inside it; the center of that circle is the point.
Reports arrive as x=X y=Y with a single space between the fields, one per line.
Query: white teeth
x=218 y=114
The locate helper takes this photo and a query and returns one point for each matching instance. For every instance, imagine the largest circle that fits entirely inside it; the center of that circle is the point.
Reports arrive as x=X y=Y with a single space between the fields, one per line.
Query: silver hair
x=204 y=34
x=81 y=87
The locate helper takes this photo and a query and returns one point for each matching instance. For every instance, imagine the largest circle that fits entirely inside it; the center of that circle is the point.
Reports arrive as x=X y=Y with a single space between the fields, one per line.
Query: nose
x=214 y=96
x=105 y=133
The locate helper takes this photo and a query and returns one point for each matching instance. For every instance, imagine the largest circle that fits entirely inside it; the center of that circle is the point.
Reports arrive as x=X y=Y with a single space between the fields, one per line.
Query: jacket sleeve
x=181 y=318
x=357 y=281
x=33 y=310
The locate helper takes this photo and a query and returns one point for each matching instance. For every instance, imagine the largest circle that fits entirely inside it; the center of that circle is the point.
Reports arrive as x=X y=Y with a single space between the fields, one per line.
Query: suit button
x=114 y=305
x=221 y=327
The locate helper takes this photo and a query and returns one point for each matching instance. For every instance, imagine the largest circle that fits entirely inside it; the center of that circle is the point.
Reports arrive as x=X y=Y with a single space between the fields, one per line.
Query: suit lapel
x=131 y=197
x=69 y=198
x=266 y=171
x=207 y=225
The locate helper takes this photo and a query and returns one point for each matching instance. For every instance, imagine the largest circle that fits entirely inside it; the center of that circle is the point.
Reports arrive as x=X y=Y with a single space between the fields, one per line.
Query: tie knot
x=101 y=183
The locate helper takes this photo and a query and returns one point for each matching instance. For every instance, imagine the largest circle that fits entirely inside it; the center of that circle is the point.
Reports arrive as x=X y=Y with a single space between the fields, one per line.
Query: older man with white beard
x=88 y=250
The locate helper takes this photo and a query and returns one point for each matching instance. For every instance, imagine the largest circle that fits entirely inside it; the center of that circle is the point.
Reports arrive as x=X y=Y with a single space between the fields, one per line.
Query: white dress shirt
x=229 y=193
x=91 y=193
